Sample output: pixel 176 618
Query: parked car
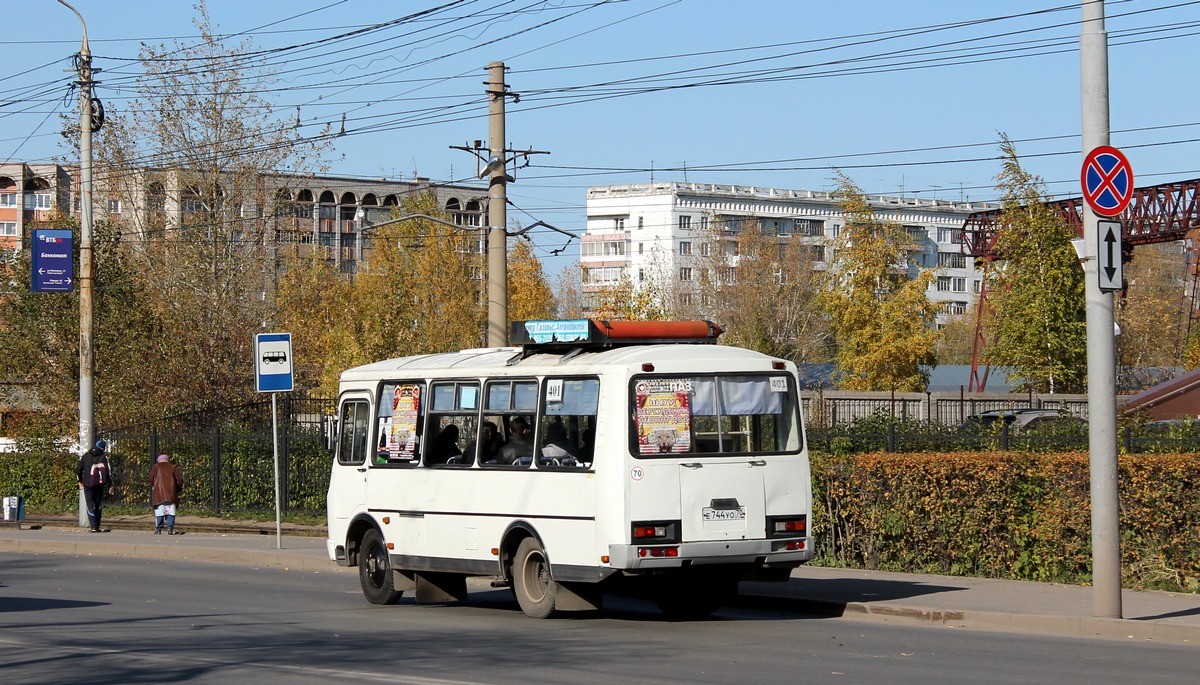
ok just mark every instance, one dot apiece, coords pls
pixel 1024 420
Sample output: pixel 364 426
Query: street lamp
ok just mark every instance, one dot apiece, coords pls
pixel 87 427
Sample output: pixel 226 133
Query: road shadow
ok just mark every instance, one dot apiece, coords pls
pixel 15 604
pixel 847 590
pixel 794 600
pixel 1194 611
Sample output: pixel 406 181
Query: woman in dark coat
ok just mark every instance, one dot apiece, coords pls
pixel 166 482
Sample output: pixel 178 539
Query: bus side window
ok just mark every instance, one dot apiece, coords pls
pixel 352 443
pixel 567 424
pixel 505 401
pixel 453 418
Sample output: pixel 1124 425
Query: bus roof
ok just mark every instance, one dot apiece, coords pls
pixel 489 360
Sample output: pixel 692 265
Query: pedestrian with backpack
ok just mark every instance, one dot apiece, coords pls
pixel 94 473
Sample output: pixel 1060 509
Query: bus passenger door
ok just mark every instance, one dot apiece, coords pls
pixel 348 482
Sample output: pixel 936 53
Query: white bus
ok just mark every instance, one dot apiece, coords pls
pixel 651 462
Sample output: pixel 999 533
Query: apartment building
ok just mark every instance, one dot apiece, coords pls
pixel 29 193
pixel 638 230
pixel 332 214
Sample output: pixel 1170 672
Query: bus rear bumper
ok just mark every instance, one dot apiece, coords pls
pixel 758 553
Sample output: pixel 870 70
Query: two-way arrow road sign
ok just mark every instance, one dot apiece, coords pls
pixel 1109 251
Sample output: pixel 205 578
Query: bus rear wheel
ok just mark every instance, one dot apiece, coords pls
pixel 532 584
pixel 375 571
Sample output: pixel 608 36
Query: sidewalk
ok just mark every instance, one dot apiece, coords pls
pixel 974 603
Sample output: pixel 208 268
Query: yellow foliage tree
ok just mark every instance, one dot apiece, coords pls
pixel 880 316
pixel 764 289
pixel 315 305
pixel 1153 314
pixel 419 290
pixel 529 294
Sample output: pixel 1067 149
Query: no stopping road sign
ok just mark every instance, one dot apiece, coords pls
pixel 1107 181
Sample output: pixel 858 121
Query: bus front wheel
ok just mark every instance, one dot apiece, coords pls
pixel 375 571
pixel 532 584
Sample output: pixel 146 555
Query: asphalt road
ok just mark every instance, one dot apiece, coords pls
pixel 113 620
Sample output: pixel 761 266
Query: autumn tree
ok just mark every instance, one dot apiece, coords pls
pixel 1153 312
pixel 568 292
pixel 649 295
pixel 956 344
pixel 39 338
pixel 314 302
pixel 1036 288
pixel 529 294
pixel 881 319
pixel 186 159
pixel 419 288
pixel 764 289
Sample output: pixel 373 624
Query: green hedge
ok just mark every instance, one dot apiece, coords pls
pixel 243 480
pixel 992 514
pixel 42 473
pixel 1005 515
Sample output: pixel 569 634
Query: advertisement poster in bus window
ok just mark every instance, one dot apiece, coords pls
pixel 406 405
pixel 663 415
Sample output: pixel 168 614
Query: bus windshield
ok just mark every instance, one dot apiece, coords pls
pixel 713 414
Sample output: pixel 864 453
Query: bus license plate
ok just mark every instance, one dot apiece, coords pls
pixel 711 514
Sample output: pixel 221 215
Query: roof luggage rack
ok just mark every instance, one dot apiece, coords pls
pixel 576 335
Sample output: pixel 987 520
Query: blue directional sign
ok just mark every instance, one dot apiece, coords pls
pixel 273 362
pixel 52 269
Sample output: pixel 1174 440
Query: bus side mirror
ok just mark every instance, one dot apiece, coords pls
pixel 329 431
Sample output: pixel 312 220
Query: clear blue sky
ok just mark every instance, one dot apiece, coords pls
pixel 900 95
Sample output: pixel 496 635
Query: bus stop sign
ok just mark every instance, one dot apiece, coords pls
pixel 273 362
pixel 1107 180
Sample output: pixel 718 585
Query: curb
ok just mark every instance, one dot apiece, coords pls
pixel 235 527
pixel 273 557
pixel 1036 624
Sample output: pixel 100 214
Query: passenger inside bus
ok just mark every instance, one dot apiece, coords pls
pixel 488 442
pixel 558 450
pixel 519 444
pixel 446 447
pixel 587 447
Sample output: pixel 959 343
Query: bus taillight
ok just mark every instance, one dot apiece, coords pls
pixel 787 526
pixel 658 551
pixel 656 531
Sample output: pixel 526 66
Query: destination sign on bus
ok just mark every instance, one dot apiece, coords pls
pixel 570 330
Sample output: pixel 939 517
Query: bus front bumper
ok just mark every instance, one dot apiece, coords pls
pixel 764 553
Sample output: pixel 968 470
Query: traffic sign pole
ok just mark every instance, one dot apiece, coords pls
pixel 1101 375
pixel 273 374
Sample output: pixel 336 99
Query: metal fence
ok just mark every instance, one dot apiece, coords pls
pixel 824 409
pixel 227 457
pixel 900 437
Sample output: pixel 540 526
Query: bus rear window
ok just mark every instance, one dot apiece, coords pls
pixel 714 414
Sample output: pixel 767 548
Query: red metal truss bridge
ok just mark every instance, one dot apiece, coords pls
pixel 1157 214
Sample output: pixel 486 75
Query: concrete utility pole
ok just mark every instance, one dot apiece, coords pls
pixel 496 171
pixel 1102 399
pixel 497 238
pixel 87 363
